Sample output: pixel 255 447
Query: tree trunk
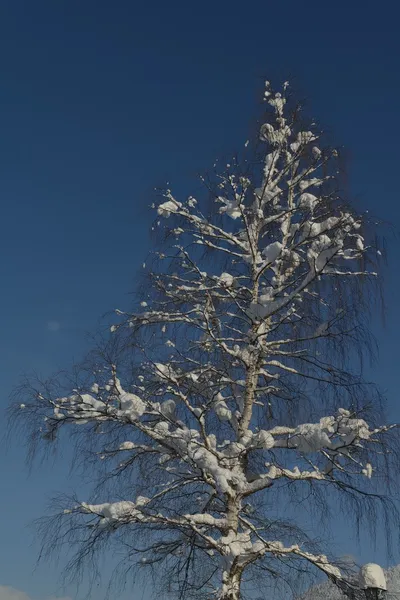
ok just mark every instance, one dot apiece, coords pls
pixel 232 575
pixel 231 585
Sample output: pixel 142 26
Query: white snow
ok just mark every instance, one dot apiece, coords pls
pixel 205 519
pixel 272 252
pixel 204 459
pixel 367 471
pixel 332 570
pixel 360 243
pixel 131 405
pixel 276 137
pixel 310 437
pixel 168 408
pixel 263 439
pixel 372 576
pixel 269 166
pixel 142 500
pixel 222 411
pixel 278 102
pixel 316 228
pixel 321 251
pixel 112 511
pixel 304 184
pixel 230 208
pixel 246 438
pixel 165 372
pixel 316 152
pixel 305 137
pixel 166 208
pixel 227 279
pixel 308 201
pixel 127 446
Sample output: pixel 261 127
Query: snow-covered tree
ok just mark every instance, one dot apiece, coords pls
pixel 328 591
pixel 228 408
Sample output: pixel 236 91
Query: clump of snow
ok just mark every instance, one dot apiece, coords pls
pixel 208 462
pixel 98 405
pixel 161 428
pixel 267 304
pixel 321 251
pixel 166 208
pixel 247 437
pixel 278 102
pixel 111 511
pixel 304 184
pixel 351 428
pixel 127 446
pixel 266 193
pixel 275 137
pixel 142 500
pixel 269 169
pixel 165 372
pixel 303 138
pixel 316 152
pixel 222 411
pixel 258 547
pixel 204 519
pixel 231 207
pixel 168 408
pixel 227 279
pixel 315 228
pixel 367 471
pixel 372 576
pixel 308 201
pixel 272 252
pixel 263 439
pixel 233 449
pixel 310 437
pixel 132 406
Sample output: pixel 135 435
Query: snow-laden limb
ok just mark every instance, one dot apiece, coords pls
pixel 230 376
pixel 118 514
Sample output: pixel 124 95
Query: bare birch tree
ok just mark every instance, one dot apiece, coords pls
pixel 232 395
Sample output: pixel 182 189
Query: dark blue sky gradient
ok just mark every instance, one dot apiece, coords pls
pixel 103 101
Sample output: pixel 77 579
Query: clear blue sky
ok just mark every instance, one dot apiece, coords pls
pixel 102 101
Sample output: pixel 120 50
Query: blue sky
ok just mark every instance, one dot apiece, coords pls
pixel 102 101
